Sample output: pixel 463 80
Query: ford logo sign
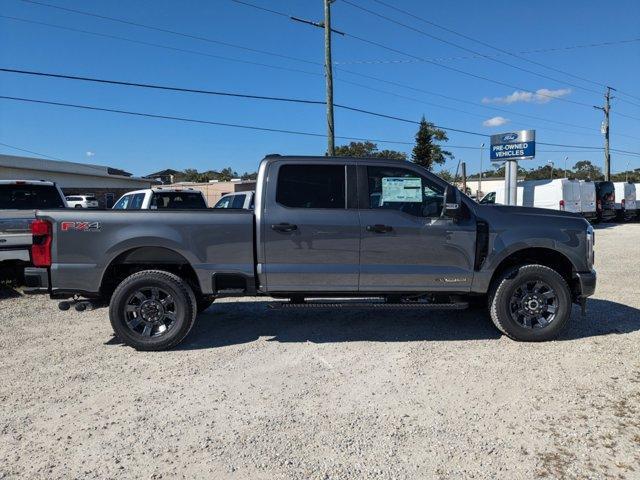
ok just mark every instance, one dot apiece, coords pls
pixel 509 137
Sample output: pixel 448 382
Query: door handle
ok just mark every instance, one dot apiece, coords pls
pixel 284 227
pixel 379 228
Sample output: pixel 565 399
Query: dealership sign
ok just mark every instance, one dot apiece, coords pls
pixel 518 145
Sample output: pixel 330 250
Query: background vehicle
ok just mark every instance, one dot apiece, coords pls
pixel 625 200
pixel 158 198
pixel 559 194
pixel 498 196
pixel 236 200
pixel 605 201
pixel 18 201
pixel 82 201
pixel 383 230
pixel 588 200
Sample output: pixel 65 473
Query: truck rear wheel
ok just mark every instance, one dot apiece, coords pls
pixel 152 310
pixel 530 303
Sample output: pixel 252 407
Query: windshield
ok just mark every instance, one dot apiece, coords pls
pixel 178 200
pixel 27 197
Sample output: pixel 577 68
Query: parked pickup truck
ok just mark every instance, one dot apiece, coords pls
pixel 19 200
pixel 387 232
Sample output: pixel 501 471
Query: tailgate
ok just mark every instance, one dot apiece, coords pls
pixel 15 228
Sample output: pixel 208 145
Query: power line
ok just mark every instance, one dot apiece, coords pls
pixel 230 94
pixel 30 151
pixel 469 57
pixel 277 67
pixel 265 52
pixel 157 45
pixel 472 114
pixel 448 97
pixel 447 42
pixel 481 42
pixel 251 127
pixel 172 32
pixel 162 87
pixel 192 120
pixel 267 65
pixel 447 67
pixel 227 94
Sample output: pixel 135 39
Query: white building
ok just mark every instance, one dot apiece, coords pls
pixel 106 183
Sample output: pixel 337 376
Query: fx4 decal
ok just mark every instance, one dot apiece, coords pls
pixel 80 226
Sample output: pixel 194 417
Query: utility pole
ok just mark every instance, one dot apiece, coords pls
pixel 464 177
pixel 480 176
pixel 605 132
pixel 328 69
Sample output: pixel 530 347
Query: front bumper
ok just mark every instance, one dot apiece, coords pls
pixel 586 282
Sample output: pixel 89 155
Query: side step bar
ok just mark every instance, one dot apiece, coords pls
pixel 315 305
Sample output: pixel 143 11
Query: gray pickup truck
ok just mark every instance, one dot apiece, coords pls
pixel 386 233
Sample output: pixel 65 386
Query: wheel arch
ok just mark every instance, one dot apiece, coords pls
pixel 540 256
pixel 142 258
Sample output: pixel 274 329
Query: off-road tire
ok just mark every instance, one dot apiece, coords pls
pixel 500 297
pixel 185 309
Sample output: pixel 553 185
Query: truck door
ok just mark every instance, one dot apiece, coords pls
pixel 406 244
pixel 311 236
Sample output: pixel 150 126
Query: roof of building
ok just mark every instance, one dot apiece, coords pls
pixel 30 163
pixel 162 173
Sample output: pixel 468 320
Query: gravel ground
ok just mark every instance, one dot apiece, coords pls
pixel 261 394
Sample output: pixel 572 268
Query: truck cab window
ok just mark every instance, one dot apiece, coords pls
pixel 311 186
pixel 123 203
pixel 404 190
pixel 489 199
pixel 225 202
pixel 238 202
pixel 136 201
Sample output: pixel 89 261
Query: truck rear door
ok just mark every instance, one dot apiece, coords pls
pixel 311 235
pixel 406 244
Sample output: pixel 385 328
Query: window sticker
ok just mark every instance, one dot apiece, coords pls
pixel 401 189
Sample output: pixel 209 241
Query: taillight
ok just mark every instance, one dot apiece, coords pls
pixel 41 248
pixel 561 204
pixel 622 203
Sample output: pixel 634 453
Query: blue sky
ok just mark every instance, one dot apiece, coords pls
pixel 143 145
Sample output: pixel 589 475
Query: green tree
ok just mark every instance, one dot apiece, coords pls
pixel 249 176
pixel 585 169
pixel 426 152
pixel 227 174
pixel 190 175
pixel 446 175
pixel 367 149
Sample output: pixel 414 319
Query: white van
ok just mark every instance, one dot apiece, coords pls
pixel 559 194
pixel 626 207
pixel 588 199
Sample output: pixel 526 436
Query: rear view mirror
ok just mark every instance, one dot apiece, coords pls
pixel 451 208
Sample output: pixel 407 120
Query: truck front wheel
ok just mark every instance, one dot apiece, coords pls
pixel 530 303
pixel 152 310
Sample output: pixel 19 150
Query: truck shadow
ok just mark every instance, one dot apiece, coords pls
pixel 236 323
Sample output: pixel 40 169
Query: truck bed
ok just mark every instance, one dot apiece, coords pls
pixel 86 242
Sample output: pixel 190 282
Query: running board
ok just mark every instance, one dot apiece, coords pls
pixel 315 305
